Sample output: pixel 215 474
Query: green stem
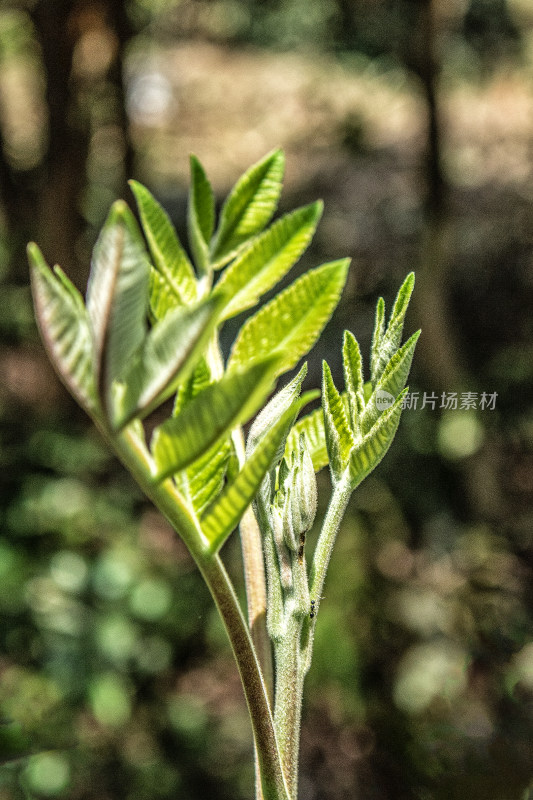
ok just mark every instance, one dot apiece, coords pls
pixel 130 448
pixel 288 705
pixel 337 506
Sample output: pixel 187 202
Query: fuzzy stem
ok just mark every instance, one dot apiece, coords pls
pixel 288 705
pixel 337 506
pixel 132 451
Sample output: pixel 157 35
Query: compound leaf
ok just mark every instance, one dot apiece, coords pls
pixel 268 258
pixel 290 324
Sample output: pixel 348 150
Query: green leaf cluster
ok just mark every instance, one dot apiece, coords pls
pixel 355 428
pixel 149 330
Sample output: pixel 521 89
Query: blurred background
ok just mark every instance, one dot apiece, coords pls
pixel 413 120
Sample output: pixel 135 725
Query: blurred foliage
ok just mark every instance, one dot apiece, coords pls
pixel 115 678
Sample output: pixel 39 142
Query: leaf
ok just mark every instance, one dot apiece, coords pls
pixel 205 477
pixel 392 380
pixel 117 296
pixel 339 439
pixel 197 382
pixel 170 352
pixel 226 512
pixel 290 324
pixel 391 339
pixel 353 377
pixel 64 327
pixel 201 214
pixel 275 407
pixel 367 455
pixel 249 207
pixel 268 258
pixel 217 409
pixel 169 257
pixel 313 427
pixel 379 330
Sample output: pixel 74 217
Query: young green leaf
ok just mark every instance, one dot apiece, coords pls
pixel 392 380
pixel 353 378
pixel 117 296
pixel 369 452
pixel 169 257
pixel 64 327
pixel 290 324
pixel 313 427
pixel 169 353
pixel 390 341
pixel 379 330
pixel 196 383
pixel 268 258
pixel 215 411
pixel 275 407
pixel 249 207
pixel 201 214
pixel 226 512
pixel 205 477
pixel 339 439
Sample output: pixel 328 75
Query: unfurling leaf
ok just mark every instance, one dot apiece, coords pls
pixel 117 297
pixel 313 427
pixel 64 327
pixel 353 378
pixel 227 510
pixel 339 438
pixel 386 343
pixel 392 380
pixel 169 353
pixel 369 452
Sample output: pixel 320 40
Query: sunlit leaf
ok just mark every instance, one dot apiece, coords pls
pixel 339 439
pixel 391 339
pixel 392 380
pixel 64 327
pixel 117 296
pixel 169 353
pixel 217 409
pixel 205 477
pixel 377 336
pixel 169 257
pixel 276 406
pixel 196 383
pixel 226 512
pixel 268 258
pixel 249 207
pixel 201 214
pixel 290 324
pixel 369 452
pixel 313 427
pixel 353 378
